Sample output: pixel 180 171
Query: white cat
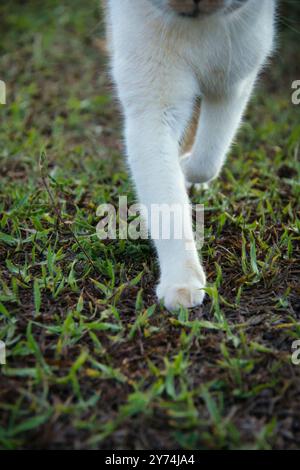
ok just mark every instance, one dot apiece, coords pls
pixel 165 54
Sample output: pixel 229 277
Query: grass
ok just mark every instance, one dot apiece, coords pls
pixel 92 360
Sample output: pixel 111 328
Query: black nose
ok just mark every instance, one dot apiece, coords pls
pixel 194 13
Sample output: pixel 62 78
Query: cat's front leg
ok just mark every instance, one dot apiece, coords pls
pixel 219 121
pixel 152 146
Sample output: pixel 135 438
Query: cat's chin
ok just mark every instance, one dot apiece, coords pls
pixel 208 14
pixel 190 9
pixel 192 14
pixel 200 10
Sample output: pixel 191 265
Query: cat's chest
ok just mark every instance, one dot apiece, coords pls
pixel 221 59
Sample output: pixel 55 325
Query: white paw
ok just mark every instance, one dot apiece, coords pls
pixel 197 173
pixel 196 186
pixel 186 165
pixel 180 295
pixel 188 292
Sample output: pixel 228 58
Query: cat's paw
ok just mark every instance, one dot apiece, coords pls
pixel 197 187
pixel 175 296
pixel 197 173
pixel 186 163
pixel 188 291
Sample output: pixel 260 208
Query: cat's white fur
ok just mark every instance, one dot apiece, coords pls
pixel 160 62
